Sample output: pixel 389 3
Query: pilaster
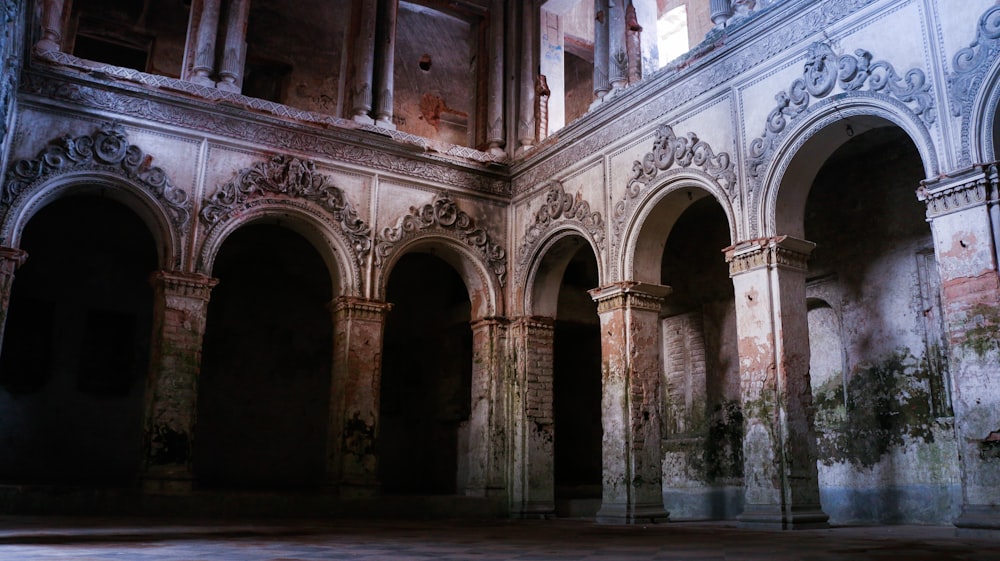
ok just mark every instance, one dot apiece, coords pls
pixel 352 461
pixel 487 418
pixel 963 211
pixel 10 259
pixel 779 445
pixel 179 313
pixel 630 408
pixel 533 481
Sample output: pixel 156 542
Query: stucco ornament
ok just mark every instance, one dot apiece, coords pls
pixel 443 215
pixel 560 206
pixel 970 66
pixel 106 149
pixel 291 177
pixel 822 73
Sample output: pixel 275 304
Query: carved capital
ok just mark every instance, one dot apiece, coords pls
pixel 630 295
pixel 778 252
pixel 489 323
pixel 186 285
pixel 532 323
pixel 11 258
pixel 966 189
pixel 349 307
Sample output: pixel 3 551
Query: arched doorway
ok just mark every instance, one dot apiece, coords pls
pixel 881 398
pixel 576 383
pixel 702 416
pixel 426 379
pixel 264 391
pixel 76 348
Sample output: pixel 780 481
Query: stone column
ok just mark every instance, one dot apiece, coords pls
pixel 533 483
pixel 180 308
pixel 630 407
pixel 721 11
pixel 364 63
pixel 385 55
pixel 234 52
pixel 487 421
pixel 496 135
pixel 779 444
pixel 526 105
pixel 352 462
pixel 204 41
pixel 52 20
pixel 965 222
pixel 601 57
pixel 10 259
pixel 617 47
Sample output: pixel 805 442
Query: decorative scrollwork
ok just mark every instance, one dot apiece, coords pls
pixel 823 71
pixel 443 214
pixel 107 149
pixel 561 206
pixel 971 62
pixel 291 177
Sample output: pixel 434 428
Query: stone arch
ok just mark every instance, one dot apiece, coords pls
pixel 547 264
pixel 646 233
pixel 102 163
pixel 483 287
pixel 303 218
pixel 777 209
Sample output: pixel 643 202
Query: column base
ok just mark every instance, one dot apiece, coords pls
pixel 979 521
pixel 634 514
pixel 773 517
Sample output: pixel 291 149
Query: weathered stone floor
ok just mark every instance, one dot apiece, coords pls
pixel 23 538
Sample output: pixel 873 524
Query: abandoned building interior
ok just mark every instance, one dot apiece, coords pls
pixel 630 261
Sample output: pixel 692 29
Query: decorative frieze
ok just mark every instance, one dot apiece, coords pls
pixel 972 188
pixel 823 71
pixel 443 215
pixel 561 207
pixel 291 177
pixel 106 149
pixel 780 251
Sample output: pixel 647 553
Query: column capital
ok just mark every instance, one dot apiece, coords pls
pixel 489 321
pixel 630 294
pixel 359 308
pixel 537 322
pixel 13 255
pixel 191 285
pixel 959 190
pixel 778 252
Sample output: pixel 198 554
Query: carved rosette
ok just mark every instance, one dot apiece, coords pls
pixel 970 66
pixel 823 71
pixel 107 149
pixel 293 177
pixel 969 190
pixel 443 215
pixel 559 207
pixel 670 150
pixel 781 251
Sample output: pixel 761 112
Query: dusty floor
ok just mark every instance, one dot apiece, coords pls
pixel 24 538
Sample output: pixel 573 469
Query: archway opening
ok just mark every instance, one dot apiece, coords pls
pixel 577 385
pixel 426 379
pixel 702 416
pixel 264 390
pixel 880 399
pixel 76 346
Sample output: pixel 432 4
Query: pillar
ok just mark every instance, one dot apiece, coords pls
pixel 526 105
pixel 364 62
pixel 617 47
pixel 533 483
pixel 235 48
pixel 721 11
pixel 633 45
pixel 385 54
pixel 965 222
pixel 205 35
pixel 496 135
pixel 52 19
pixel 601 58
pixel 352 462
pixel 10 259
pixel 781 481
pixel 632 489
pixel 180 308
pixel 487 419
